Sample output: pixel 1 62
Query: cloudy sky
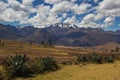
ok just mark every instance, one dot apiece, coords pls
pixel 84 13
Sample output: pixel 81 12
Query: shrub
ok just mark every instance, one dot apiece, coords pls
pixel 99 59
pixel 92 57
pixel 81 58
pixel 109 59
pixel 16 65
pixel 95 58
pixel 49 63
pixel 37 66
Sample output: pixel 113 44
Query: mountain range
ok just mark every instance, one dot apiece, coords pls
pixel 60 34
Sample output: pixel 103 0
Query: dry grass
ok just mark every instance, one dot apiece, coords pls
pixel 62 53
pixel 36 50
pixel 80 72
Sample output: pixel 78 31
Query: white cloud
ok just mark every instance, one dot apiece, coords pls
pixel 108 20
pixel 99 16
pixel 96 1
pixel 72 0
pixel 52 1
pixel 65 15
pixel 61 7
pixel 118 24
pixel 11 15
pixel 89 17
pixel 102 15
pixel 80 9
pixel 109 7
pixel 27 2
pixel 43 17
pixel 88 24
pixel 3 6
pixel 71 20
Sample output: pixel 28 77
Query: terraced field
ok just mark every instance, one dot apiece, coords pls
pixel 61 53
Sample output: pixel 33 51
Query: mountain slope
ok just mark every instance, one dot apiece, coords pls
pixel 60 34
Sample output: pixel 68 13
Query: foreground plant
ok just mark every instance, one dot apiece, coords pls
pixel 95 58
pixel 50 63
pixel 109 59
pixel 16 65
pixel 42 64
pixel 37 66
pixel 82 58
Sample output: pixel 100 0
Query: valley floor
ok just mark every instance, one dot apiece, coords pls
pixel 83 72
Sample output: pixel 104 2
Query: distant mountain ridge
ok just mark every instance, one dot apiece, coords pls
pixel 60 34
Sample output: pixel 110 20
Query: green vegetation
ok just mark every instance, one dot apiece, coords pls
pixel 42 64
pixel 50 63
pixel 16 66
pixel 36 66
pixel 82 58
pixel 95 58
pixel 109 59
pixel 20 66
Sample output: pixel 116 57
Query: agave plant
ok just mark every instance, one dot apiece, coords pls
pixel 16 65
pixel 109 59
pixel 92 57
pixel 95 58
pixel 50 63
pixel 82 58
pixel 37 65
pixel 99 59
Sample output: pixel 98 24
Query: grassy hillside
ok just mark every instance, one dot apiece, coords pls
pixel 81 72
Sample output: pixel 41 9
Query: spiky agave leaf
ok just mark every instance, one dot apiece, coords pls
pixel 16 64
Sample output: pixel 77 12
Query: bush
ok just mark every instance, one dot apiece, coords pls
pixel 95 58
pixel 109 59
pixel 81 58
pixel 37 66
pixel 16 65
pixel 50 63
pixel 99 59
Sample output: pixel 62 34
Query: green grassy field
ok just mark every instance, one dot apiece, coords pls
pixel 81 72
